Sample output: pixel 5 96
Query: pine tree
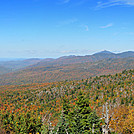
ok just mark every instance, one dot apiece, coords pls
pixel 84 120
pixel 63 122
pixel 80 120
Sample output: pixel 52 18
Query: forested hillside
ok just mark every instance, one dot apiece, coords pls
pixel 101 103
pixel 4 70
pixel 58 72
pixel 20 64
pixel 83 59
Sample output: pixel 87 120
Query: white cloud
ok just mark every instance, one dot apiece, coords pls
pixel 107 26
pixel 110 3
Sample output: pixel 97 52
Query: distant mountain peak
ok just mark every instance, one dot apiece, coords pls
pixel 65 57
pixel 104 52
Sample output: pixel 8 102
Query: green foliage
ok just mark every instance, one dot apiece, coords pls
pixel 22 105
pixel 80 120
pixel 22 123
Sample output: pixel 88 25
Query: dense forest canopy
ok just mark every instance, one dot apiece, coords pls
pixel 41 108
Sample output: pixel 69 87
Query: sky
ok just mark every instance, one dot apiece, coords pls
pixel 54 28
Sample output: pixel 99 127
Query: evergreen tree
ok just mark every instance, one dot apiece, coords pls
pixel 80 120
pixel 84 120
pixel 63 122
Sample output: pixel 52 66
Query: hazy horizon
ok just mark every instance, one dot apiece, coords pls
pixel 22 58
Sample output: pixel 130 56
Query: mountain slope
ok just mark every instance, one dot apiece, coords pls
pixel 4 70
pixel 52 73
pixel 82 59
pixel 66 67
pixel 18 64
pixel 35 62
pixel 126 54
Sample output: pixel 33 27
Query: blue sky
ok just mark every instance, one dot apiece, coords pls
pixel 53 28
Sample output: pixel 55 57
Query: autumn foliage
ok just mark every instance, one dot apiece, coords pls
pixel 37 108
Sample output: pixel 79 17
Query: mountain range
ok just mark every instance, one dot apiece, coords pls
pixel 64 68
